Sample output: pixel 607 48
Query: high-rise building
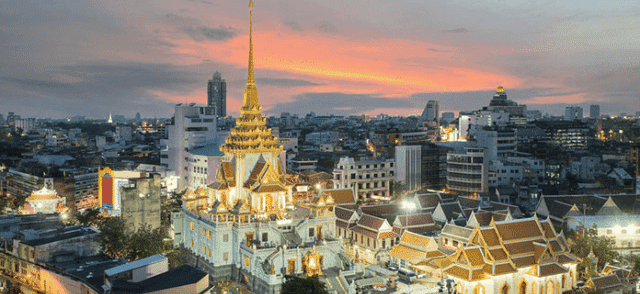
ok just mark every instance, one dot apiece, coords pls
pixel 217 94
pixel 408 167
pixel 193 127
pixel 594 111
pixel 430 112
pixel 467 170
pixel 573 113
pixel 500 103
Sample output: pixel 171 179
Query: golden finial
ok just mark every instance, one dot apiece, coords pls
pixel 251 92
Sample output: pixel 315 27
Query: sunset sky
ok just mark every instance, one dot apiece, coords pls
pixel 61 58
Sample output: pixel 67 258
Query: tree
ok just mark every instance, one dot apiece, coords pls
pixel 114 237
pixel 144 243
pixel 178 257
pixel 305 285
pixel 602 247
pixel 88 217
pixel 636 265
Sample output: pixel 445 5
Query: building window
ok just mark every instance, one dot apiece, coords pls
pixel 225 238
pixel 609 232
pixel 192 244
pixel 265 237
pixel 225 256
pixel 209 234
pixel 311 232
pixel 191 224
pixel 383 241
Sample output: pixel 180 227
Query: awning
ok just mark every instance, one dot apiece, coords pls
pixel 375 281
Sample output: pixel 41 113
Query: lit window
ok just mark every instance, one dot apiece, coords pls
pixel 191 226
pixel 192 243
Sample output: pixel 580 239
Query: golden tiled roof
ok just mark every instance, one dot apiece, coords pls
pixel 555 246
pixel 458 272
pixel 386 235
pixel 518 230
pixel 341 196
pixel 414 239
pixel 551 269
pixel 498 253
pixel 503 268
pixel 477 274
pixel 605 283
pixel 564 259
pixel 269 189
pixel 474 255
pixel 490 237
pixel 524 261
pixel 548 230
pixel 407 253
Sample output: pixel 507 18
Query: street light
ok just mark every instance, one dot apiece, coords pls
pixel 408 206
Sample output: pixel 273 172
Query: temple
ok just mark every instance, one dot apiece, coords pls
pixel 45 200
pixel 245 225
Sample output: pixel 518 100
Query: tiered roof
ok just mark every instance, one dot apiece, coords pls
pixel 250 134
pixel 505 246
pixel 415 248
pixel 373 227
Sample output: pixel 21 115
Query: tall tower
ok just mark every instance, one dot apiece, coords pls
pixel 431 111
pixel 217 94
pixel 251 175
pixel 594 111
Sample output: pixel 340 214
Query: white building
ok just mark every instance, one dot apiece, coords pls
pixel 467 170
pixel 573 113
pixel 193 126
pixel 369 178
pixel 408 166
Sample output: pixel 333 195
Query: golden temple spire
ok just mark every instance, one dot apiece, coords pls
pixel 251 92
pixel 250 134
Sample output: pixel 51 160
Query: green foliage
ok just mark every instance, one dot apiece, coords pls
pixel 88 217
pixel 303 285
pixel 144 243
pixel 114 236
pixel 636 265
pixel 602 247
pixel 178 257
pixel 118 242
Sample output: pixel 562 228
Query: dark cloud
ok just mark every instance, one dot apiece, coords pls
pixel 198 32
pixel 212 34
pixel 455 31
pixel 326 27
pixel 293 26
pixel 203 2
pixel 285 83
pixel 93 89
pixel 35 83
pixel 341 103
pixel 348 104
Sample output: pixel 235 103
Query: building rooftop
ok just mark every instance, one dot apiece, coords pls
pixel 181 276
pixel 134 265
pixel 64 234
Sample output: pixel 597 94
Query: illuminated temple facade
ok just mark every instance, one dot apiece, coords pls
pixel 244 226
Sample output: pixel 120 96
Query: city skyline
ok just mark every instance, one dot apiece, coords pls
pixel 68 59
